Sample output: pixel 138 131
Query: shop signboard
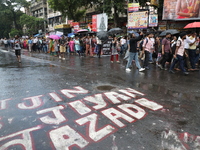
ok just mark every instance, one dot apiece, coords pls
pixel 133 7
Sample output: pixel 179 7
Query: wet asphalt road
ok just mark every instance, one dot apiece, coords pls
pixel 37 112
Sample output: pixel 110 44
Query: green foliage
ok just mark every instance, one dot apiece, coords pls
pixel 73 9
pixel 14 32
pixel 32 23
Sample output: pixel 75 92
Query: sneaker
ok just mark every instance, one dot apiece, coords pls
pixel 63 58
pixel 59 57
pixel 118 61
pixel 160 66
pixel 111 61
pixel 171 71
pixel 141 69
pixel 128 70
pixel 186 73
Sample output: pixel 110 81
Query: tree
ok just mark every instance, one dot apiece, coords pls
pixel 32 23
pixel 70 8
pixel 10 14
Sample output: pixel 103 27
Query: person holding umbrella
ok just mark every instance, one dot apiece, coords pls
pixel 133 53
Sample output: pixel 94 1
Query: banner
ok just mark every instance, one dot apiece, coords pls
pixel 99 22
pixel 153 20
pixel 181 10
pixel 138 20
pixel 76 26
pixel 133 7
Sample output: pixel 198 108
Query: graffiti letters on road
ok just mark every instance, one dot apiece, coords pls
pixel 88 111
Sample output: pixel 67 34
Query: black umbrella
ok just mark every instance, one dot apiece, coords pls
pixel 102 35
pixel 92 33
pixel 172 31
pixel 115 31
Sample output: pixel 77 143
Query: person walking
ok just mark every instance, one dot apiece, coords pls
pixel 133 52
pixel 63 43
pixel 114 52
pixel 192 51
pixel 166 51
pixel 17 48
pixel 30 44
pixel 77 45
pixel 147 47
pixel 179 53
pixel 188 41
pixel 99 47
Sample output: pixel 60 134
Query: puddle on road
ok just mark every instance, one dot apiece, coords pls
pixel 166 91
pixel 105 87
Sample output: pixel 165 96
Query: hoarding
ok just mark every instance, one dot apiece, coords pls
pixel 138 20
pixel 153 20
pixel 181 10
pixel 133 7
pixel 100 22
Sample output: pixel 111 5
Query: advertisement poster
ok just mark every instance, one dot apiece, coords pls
pixel 133 7
pixel 76 26
pixel 138 20
pixel 99 22
pixel 181 10
pixel 153 20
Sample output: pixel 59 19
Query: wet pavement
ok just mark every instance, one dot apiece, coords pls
pixel 91 104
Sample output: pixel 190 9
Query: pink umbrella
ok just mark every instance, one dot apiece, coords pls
pixel 55 37
pixel 82 31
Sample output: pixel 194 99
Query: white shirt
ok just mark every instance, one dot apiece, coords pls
pixel 5 41
pixel 122 41
pixel 35 40
pixel 180 43
pixel 98 41
pixel 188 41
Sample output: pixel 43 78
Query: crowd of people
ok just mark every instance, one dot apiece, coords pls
pixel 178 52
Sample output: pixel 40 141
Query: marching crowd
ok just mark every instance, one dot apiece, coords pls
pixel 169 53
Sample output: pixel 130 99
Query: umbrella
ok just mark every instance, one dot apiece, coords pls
pixel 192 25
pixel 102 35
pixel 82 31
pixel 36 35
pixel 115 31
pixel 55 37
pixel 172 31
pixel 70 34
pixel 133 32
pixel 92 32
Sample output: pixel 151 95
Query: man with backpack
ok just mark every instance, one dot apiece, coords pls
pixel 147 48
pixel 179 54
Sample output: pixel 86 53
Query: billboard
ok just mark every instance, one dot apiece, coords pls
pixel 133 7
pixel 100 22
pixel 138 20
pixel 181 10
pixel 153 20
pixel 154 2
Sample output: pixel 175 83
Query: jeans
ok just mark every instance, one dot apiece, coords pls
pixel 150 57
pixel 99 47
pixel 181 62
pixel 44 48
pixel 133 56
pixel 192 56
pixel 146 60
pixel 122 49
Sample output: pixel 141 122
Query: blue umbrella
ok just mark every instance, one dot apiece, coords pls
pixel 133 32
pixel 36 35
pixel 70 34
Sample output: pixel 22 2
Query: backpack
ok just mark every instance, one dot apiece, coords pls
pixel 141 43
